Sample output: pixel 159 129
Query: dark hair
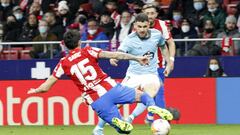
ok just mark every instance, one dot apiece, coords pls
pixel 71 39
pixel 217 73
pixel 141 18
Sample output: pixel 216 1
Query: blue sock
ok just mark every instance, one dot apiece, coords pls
pixel 101 123
pixel 147 100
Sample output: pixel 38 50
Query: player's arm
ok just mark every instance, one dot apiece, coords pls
pixel 44 87
pixel 143 60
pixel 172 52
pixel 166 55
pixel 115 61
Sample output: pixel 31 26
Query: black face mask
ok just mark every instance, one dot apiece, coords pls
pixel 138 10
pixel 209 30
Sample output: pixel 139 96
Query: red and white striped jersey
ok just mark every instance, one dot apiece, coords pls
pixel 162 27
pixel 81 65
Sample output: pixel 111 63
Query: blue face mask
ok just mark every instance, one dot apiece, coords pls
pixel 198 5
pixel 177 17
pixel 42 29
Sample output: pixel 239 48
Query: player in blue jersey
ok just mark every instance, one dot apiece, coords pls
pixel 143 41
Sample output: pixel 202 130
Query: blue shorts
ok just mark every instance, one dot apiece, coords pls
pixel 106 106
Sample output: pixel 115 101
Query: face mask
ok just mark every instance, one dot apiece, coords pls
pixel 18 16
pixel 198 5
pixel 92 32
pixel 214 67
pixel 138 10
pixel 185 28
pixel 209 30
pixel 177 17
pixel 5 4
pixel 212 10
pixel 42 29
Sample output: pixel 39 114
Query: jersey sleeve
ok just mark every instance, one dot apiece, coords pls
pixel 165 30
pixel 93 51
pixel 58 70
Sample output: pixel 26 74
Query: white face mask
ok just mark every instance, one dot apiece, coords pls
pixel 18 16
pixel 213 67
pixel 92 32
pixel 5 4
pixel 185 28
pixel 212 10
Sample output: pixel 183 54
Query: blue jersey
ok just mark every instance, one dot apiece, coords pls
pixel 132 44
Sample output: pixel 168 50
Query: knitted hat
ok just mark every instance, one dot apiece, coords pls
pixel 62 5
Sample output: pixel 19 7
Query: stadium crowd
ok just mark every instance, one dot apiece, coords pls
pixel 47 20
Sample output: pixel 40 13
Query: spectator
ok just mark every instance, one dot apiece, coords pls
pixel 196 15
pixel 18 13
pixel 111 8
pixel 35 8
pixel 214 68
pixel 12 29
pixel 44 50
pixel 228 46
pixel 107 24
pixel 30 29
pixel 206 48
pixel 54 27
pixel 63 15
pixel 123 29
pixel 187 31
pixel 94 33
pixel 5 9
pixel 216 14
pixel 177 18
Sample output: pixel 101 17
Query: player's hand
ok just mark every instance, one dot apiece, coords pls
pixel 113 62
pixel 144 60
pixel 167 71
pixel 32 91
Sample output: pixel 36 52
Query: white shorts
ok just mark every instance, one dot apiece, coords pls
pixel 150 83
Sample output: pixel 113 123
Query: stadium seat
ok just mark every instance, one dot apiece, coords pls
pixel 24 54
pixel 9 55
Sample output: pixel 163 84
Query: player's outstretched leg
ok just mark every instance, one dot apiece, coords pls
pixel 98 130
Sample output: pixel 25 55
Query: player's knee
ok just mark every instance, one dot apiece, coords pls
pixel 152 88
pixel 138 95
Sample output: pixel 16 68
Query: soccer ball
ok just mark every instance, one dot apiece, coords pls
pixel 160 127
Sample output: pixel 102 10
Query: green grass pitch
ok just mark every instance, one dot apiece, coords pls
pixel 138 130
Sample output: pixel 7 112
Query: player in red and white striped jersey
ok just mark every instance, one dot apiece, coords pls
pixel 81 65
pixel 90 79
